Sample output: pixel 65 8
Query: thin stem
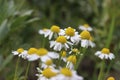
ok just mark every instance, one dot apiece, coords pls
pixel 80 57
pixel 100 76
pixel 26 74
pixel 15 75
pixel 59 60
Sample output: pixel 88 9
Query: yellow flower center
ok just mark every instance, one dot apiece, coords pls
pixel 75 50
pixel 105 51
pixel 48 73
pixel 63 54
pixel 20 50
pixel 42 51
pixel 55 29
pixel 86 25
pixel 45 29
pixel 72 59
pixel 48 62
pixel 70 31
pixel 85 35
pixel 61 39
pixel 66 72
pixel 110 78
pixel 32 51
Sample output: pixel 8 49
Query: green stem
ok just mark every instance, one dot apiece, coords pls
pixel 80 57
pixel 59 60
pixel 101 73
pixel 26 74
pixel 15 75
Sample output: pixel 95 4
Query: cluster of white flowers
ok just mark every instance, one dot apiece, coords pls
pixel 63 42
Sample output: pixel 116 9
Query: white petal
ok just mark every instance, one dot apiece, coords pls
pixel 32 57
pixel 53 55
pixel 84 43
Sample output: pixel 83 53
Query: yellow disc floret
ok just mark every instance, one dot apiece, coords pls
pixel 45 29
pixel 86 25
pixel 70 31
pixel 48 73
pixel 42 52
pixel 61 39
pixel 48 62
pixel 63 53
pixel 32 51
pixel 20 50
pixel 75 50
pixel 105 51
pixel 72 59
pixel 55 29
pixel 66 72
pixel 110 78
pixel 85 35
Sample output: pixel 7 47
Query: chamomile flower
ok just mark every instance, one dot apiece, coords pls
pixel 71 61
pixel 47 74
pixel 105 54
pixel 111 78
pixel 85 27
pixel 32 54
pixel 63 56
pixel 86 39
pixel 74 50
pixel 20 52
pixel 48 63
pixel 54 31
pixel 67 74
pixel 60 43
pixel 72 34
pixel 42 53
pixel 45 54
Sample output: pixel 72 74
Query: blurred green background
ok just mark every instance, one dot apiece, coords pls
pixel 20 21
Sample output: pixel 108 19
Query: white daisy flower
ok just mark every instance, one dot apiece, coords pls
pixel 60 43
pixel 32 56
pixel 86 39
pixel 54 31
pixel 85 27
pixel 74 51
pixel 71 61
pixel 71 34
pixel 67 74
pixel 20 52
pixel 105 54
pixel 42 54
pixel 48 63
pixel 47 74
pixel 63 56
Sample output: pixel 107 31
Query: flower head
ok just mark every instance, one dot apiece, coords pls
pixel 105 54
pixel 86 39
pixel 48 73
pixel 20 52
pixel 54 31
pixel 60 43
pixel 111 78
pixel 72 34
pixel 85 27
pixel 67 74
pixel 41 53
